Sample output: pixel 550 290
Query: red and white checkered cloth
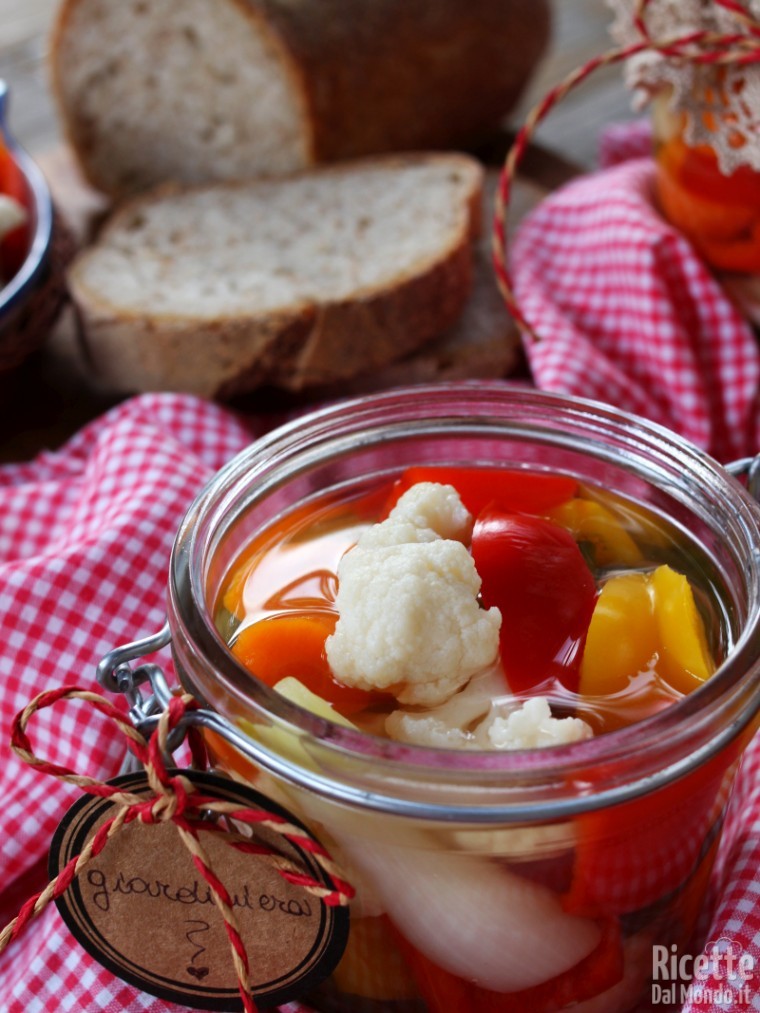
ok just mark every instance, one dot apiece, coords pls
pixel 628 314
pixel 85 535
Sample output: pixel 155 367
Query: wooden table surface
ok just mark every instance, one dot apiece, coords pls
pixel 52 394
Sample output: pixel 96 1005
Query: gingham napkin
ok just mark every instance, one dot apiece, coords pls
pixel 85 535
pixel 627 313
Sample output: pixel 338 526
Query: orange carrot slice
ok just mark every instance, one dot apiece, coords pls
pixel 293 644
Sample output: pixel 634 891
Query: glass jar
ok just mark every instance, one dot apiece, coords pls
pixel 488 881
pixel 718 212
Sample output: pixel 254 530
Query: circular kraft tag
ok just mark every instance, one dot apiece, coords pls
pixel 143 910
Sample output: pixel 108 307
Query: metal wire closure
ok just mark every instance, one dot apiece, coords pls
pixel 749 468
pixel 116 674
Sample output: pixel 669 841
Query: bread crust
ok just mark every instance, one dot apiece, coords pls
pixel 390 75
pixel 397 75
pixel 312 345
pixel 483 343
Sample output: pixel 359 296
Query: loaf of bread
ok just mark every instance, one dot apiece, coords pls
pixel 300 281
pixel 200 90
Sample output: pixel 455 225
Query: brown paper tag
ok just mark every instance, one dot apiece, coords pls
pixel 143 910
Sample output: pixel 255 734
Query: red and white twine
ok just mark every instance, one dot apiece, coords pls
pixel 175 800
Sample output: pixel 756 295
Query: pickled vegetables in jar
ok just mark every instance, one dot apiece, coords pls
pixel 718 211
pixel 15 230
pixel 552 589
pixel 694 63
pixel 484 609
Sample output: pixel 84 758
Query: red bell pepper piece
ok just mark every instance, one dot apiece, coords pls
pixel 596 973
pixel 698 215
pixel 737 255
pixel 534 572
pixel 15 245
pixel 632 855
pixel 519 491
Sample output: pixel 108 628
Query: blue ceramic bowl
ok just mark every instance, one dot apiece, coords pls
pixel 32 298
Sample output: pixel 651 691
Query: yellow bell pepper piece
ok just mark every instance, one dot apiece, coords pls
pixel 622 638
pixel 643 621
pixel 297 693
pixel 278 740
pixel 685 660
pixel 588 521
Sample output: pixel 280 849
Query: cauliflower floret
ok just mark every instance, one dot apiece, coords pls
pixel 475 718
pixel 426 730
pixel 427 511
pixel 532 727
pixel 409 620
pixel 452 724
pixel 435 506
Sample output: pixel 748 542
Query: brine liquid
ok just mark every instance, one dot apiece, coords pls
pixel 291 568
pixel 639 869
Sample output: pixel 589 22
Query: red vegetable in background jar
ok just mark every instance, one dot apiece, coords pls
pixel 14 245
pixel 719 212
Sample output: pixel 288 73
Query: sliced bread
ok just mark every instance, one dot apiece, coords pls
pixel 198 90
pixel 296 282
pixel 485 341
